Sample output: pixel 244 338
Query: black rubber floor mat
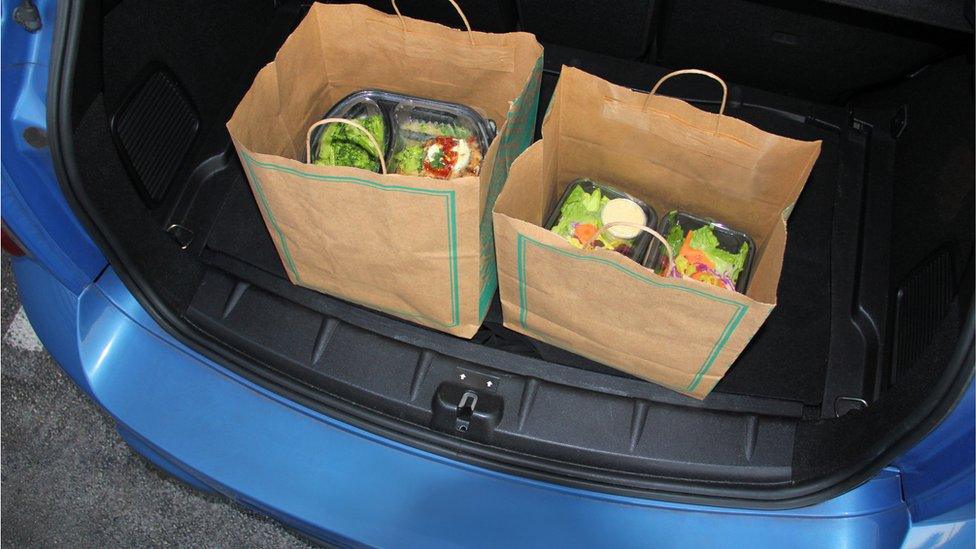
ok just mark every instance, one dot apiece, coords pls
pixel 788 357
pixel 239 231
pixel 153 130
pixel 922 302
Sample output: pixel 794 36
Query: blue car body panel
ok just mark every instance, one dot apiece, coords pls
pixel 223 433
pixel 220 432
pixel 938 478
pixel 32 203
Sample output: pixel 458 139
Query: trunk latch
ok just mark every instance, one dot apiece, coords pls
pixel 466 412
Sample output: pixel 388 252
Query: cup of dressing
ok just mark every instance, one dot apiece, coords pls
pixel 623 209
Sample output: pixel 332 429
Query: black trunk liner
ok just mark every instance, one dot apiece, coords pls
pixel 786 359
pixel 547 409
pixel 239 231
pixel 810 351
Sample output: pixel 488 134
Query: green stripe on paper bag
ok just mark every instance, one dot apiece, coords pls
pixel 451 211
pixel 737 314
pixel 519 131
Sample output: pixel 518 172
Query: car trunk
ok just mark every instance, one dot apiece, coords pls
pixel 875 288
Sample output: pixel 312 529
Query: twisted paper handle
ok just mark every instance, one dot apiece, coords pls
pixel 457 8
pixel 353 123
pixel 725 89
pixel 667 247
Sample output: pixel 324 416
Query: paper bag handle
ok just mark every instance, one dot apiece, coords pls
pixel 353 123
pixel 725 89
pixel 646 229
pixel 457 8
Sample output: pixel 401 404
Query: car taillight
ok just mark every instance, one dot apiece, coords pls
pixel 10 243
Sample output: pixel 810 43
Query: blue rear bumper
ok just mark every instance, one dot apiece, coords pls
pixel 220 432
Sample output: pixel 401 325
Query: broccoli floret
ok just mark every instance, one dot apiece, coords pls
pixel 375 126
pixel 409 161
pixel 348 154
pixel 343 145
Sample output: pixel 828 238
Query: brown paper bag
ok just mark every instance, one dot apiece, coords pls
pixel 681 334
pixel 414 247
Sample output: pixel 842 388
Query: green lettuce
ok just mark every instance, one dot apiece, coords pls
pixel 344 145
pixel 435 129
pixel 580 207
pixel 728 263
pixel 676 238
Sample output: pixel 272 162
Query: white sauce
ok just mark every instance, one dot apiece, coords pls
pixel 622 209
pixel 462 149
pixel 433 152
pixel 463 156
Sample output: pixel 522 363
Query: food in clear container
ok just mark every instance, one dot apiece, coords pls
pixel 705 251
pixel 343 145
pixel 339 144
pixel 441 157
pixel 587 207
pixel 438 140
pixel 418 136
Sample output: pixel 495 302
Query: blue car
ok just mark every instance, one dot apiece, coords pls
pixel 146 270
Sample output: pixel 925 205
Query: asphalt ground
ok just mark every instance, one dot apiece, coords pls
pixel 69 480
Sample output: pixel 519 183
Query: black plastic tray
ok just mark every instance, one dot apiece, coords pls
pixel 728 239
pixel 641 241
pixel 387 102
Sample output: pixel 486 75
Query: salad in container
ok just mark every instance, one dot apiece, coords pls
pixel 586 207
pixel 418 136
pixel 439 140
pixel 705 251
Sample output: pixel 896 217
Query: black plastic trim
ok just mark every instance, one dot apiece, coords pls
pixel 114 123
pixel 943 397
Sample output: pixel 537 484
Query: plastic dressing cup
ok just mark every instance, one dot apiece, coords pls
pixel 623 209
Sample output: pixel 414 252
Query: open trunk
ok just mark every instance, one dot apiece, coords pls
pixel 856 362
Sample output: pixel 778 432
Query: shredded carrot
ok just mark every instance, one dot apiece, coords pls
pixel 693 255
pixel 584 232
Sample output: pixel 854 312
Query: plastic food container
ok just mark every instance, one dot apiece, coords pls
pixel 627 241
pixel 675 227
pixel 365 107
pixel 438 139
pixel 424 136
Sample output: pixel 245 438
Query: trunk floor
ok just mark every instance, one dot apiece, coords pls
pixel 787 359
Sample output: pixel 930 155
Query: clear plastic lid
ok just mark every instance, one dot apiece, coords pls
pixel 424 137
pixel 724 259
pixel 588 216
pixel 438 140
pixel 341 145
